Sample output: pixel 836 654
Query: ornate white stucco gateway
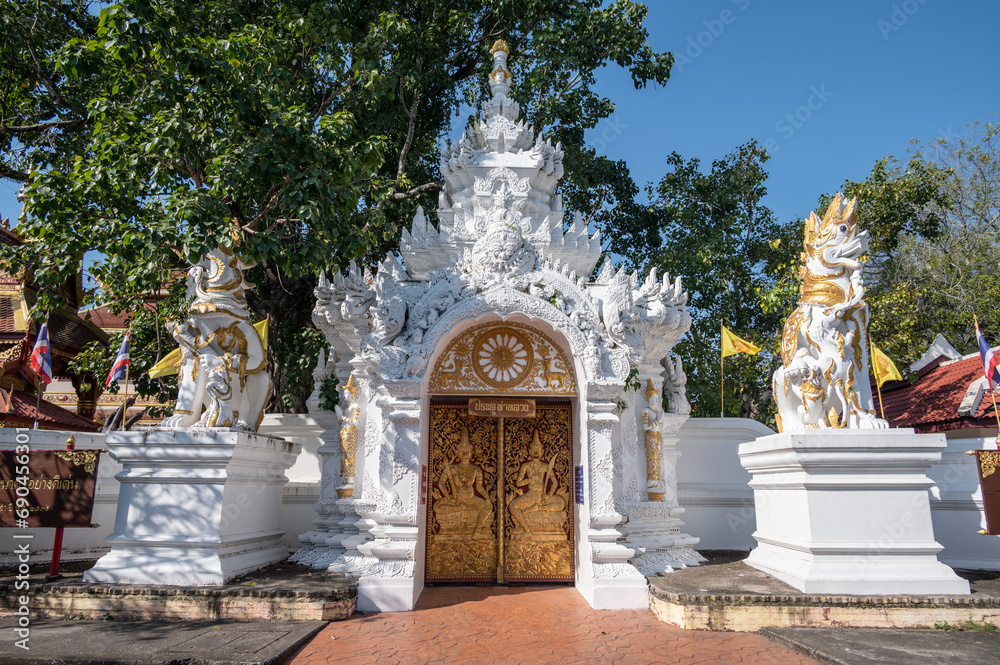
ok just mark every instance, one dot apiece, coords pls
pixel 497 300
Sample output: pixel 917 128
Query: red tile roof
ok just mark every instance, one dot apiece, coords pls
pixel 104 319
pixel 931 404
pixel 20 405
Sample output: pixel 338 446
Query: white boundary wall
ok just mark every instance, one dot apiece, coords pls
pixel 297 513
pixel 957 503
pixel 712 487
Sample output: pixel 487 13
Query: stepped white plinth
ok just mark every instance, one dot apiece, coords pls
pixel 847 511
pixel 196 506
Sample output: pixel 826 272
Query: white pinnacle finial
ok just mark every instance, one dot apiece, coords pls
pixel 500 77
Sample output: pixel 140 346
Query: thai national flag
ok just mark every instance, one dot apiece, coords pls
pixel 41 359
pixel 121 363
pixel 990 360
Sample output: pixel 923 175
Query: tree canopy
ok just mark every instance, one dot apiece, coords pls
pixel 302 132
pixel 714 230
pixel 936 282
pixel 924 271
pixel 305 133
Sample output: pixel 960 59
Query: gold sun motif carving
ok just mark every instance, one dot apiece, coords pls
pixel 502 358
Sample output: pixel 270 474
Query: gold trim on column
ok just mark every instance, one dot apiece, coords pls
pixel 989 460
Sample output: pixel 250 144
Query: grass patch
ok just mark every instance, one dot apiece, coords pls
pixel 969 625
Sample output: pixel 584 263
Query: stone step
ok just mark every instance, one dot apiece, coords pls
pixel 277 593
pixel 732 596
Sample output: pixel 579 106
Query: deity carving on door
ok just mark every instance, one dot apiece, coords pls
pixel 500 506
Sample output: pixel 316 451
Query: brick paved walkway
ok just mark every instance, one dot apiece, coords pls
pixel 536 625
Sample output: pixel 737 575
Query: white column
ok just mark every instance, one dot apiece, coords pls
pixel 392 584
pixel 607 581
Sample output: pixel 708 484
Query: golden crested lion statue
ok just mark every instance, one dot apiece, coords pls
pixel 222 355
pixel 823 380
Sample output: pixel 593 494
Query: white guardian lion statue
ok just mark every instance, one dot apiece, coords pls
pixel 223 382
pixel 823 381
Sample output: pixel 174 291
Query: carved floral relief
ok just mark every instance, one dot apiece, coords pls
pixel 503 358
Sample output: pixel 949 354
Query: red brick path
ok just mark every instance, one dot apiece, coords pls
pixel 536 625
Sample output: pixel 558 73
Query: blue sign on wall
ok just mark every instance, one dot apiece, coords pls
pixel 579 484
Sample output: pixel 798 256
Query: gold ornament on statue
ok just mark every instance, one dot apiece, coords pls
pixel 651 417
pixel 350 418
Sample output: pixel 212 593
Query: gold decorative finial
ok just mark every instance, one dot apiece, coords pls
pixel 650 390
pixel 500 45
pixel 351 387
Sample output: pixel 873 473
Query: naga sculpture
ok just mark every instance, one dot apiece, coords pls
pixel 222 355
pixel 823 380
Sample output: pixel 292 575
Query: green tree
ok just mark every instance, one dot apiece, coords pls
pixel 303 132
pixel 713 230
pixel 953 274
pixel 899 205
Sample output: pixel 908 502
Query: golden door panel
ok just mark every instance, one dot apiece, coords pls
pixel 538 497
pixel 461 531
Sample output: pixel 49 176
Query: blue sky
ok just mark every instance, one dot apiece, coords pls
pixel 862 77
pixel 833 86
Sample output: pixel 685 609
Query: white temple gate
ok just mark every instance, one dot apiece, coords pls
pixel 497 300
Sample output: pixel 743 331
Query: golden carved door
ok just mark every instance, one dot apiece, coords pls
pixel 527 463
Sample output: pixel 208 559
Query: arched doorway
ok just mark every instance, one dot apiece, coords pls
pixel 500 459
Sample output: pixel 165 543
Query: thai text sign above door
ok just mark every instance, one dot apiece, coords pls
pixel 502 407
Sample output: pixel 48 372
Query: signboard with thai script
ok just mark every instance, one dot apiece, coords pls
pixel 988 461
pixel 502 407
pixel 47 488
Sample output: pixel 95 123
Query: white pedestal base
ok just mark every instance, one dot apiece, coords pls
pixel 387 594
pixel 630 593
pixel 196 507
pixel 847 512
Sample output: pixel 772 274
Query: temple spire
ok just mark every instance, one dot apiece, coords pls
pixel 500 80
pixel 500 77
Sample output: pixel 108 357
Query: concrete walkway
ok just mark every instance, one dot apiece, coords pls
pixel 473 626
pixel 873 646
pixel 155 642
pixel 537 625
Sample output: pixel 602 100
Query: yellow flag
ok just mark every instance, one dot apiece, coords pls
pixel 261 329
pixel 168 366
pixel 732 344
pixel 883 368
pixel 171 363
